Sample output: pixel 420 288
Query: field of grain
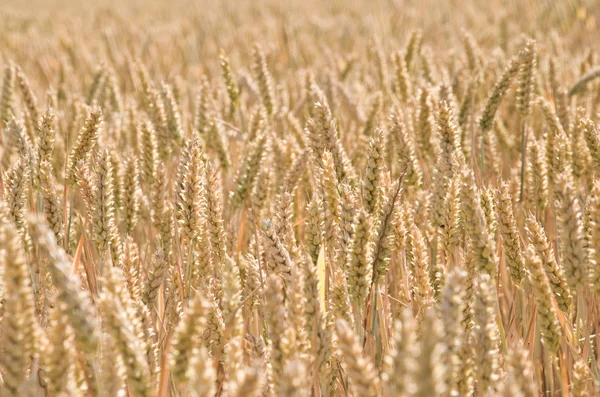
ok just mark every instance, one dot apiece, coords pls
pixel 299 198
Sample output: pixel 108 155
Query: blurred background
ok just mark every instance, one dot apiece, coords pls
pixel 183 38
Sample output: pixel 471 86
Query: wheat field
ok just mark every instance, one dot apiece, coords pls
pixel 299 198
